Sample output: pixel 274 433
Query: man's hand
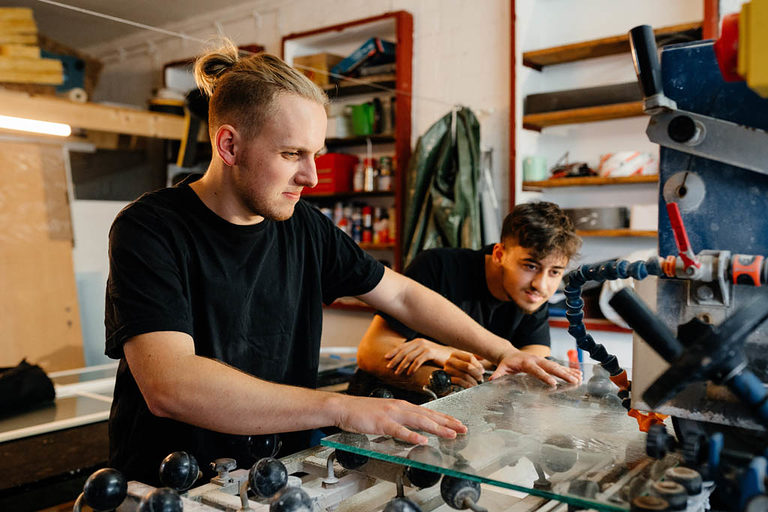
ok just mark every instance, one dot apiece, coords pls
pixel 543 369
pixel 464 368
pixel 395 418
pixel 410 356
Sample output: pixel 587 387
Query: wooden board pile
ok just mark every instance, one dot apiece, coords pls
pixel 20 61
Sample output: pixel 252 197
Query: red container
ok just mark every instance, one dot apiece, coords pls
pixel 334 174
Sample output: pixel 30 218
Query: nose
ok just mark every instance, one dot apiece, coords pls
pixel 307 174
pixel 539 282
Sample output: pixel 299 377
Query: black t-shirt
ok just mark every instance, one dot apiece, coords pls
pixel 250 296
pixel 459 276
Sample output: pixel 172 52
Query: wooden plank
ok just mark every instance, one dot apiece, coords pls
pixel 583 115
pixel 18 26
pixel 16 13
pixel 29 65
pixel 617 233
pixel 24 77
pixel 18 38
pixel 20 50
pixel 588 181
pixel 592 324
pixel 595 48
pixel 92 116
pixel 38 306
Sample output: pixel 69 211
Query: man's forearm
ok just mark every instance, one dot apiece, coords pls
pixel 430 313
pixel 209 394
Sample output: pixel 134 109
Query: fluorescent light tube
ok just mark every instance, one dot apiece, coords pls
pixel 29 125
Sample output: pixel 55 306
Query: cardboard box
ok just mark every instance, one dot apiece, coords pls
pixel 334 174
pixel 320 62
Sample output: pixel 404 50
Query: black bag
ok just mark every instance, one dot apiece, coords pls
pixel 24 387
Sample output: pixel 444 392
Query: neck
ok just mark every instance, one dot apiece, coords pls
pixel 493 279
pixel 217 191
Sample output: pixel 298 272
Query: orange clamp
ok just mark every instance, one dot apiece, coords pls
pixel 745 269
pixel 646 420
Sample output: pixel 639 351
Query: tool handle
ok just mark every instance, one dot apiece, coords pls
pixel 646 324
pixel 642 42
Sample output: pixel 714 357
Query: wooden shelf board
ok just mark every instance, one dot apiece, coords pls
pixel 592 324
pixel 617 233
pixel 92 116
pixel 583 115
pixel 588 181
pixel 368 246
pixel 613 45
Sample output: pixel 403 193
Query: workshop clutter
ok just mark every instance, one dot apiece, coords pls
pixel 339 172
pixel 374 117
pixel 627 163
pixel 20 60
pixel 316 67
pixel 363 222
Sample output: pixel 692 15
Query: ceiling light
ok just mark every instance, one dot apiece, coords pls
pixel 29 125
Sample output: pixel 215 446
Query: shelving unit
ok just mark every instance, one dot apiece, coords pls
pixel 342 40
pixel 587 181
pixel 602 47
pixel 583 115
pixel 613 45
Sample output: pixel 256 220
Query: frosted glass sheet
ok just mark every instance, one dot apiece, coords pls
pixel 531 438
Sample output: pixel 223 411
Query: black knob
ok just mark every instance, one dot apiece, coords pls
pixel 599 386
pixel 673 493
pixel 456 491
pixel 649 504
pixel 690 479
pixel 348 459
pixel 658 442
pixel 163 499
pixel 642 43
pixel 264 446
pixel 681 129
pixel 423 478
pixel 267 477
pixel 381 393
pixel 440 382
pixel 105 489
pixel 179 471
pixel 292 499
pixel 401 505
pixel 558 454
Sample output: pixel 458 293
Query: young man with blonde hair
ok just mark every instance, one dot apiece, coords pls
pixel 214 300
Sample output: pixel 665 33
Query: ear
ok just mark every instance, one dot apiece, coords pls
pixel 227 144
pixel 498 253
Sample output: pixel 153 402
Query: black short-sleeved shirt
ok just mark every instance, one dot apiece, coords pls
pixel 459 276
pixel 250 296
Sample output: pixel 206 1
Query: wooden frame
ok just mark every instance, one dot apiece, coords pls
pixel 403 83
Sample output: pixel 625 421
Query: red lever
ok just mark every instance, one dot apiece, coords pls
pixel 681 237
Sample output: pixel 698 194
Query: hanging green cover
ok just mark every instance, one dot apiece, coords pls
pixel 442 200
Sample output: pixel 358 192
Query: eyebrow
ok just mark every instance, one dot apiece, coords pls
pixel 531 260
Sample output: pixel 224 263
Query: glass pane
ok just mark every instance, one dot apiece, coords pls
pixel 566 443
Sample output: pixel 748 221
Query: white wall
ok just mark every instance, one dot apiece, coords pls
pixel 543 24
pixel 460 55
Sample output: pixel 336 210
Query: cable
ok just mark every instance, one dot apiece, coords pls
pixel 180 35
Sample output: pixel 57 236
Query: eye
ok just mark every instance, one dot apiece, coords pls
pixel 530 266
pixel 556 273
pixel 291 155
